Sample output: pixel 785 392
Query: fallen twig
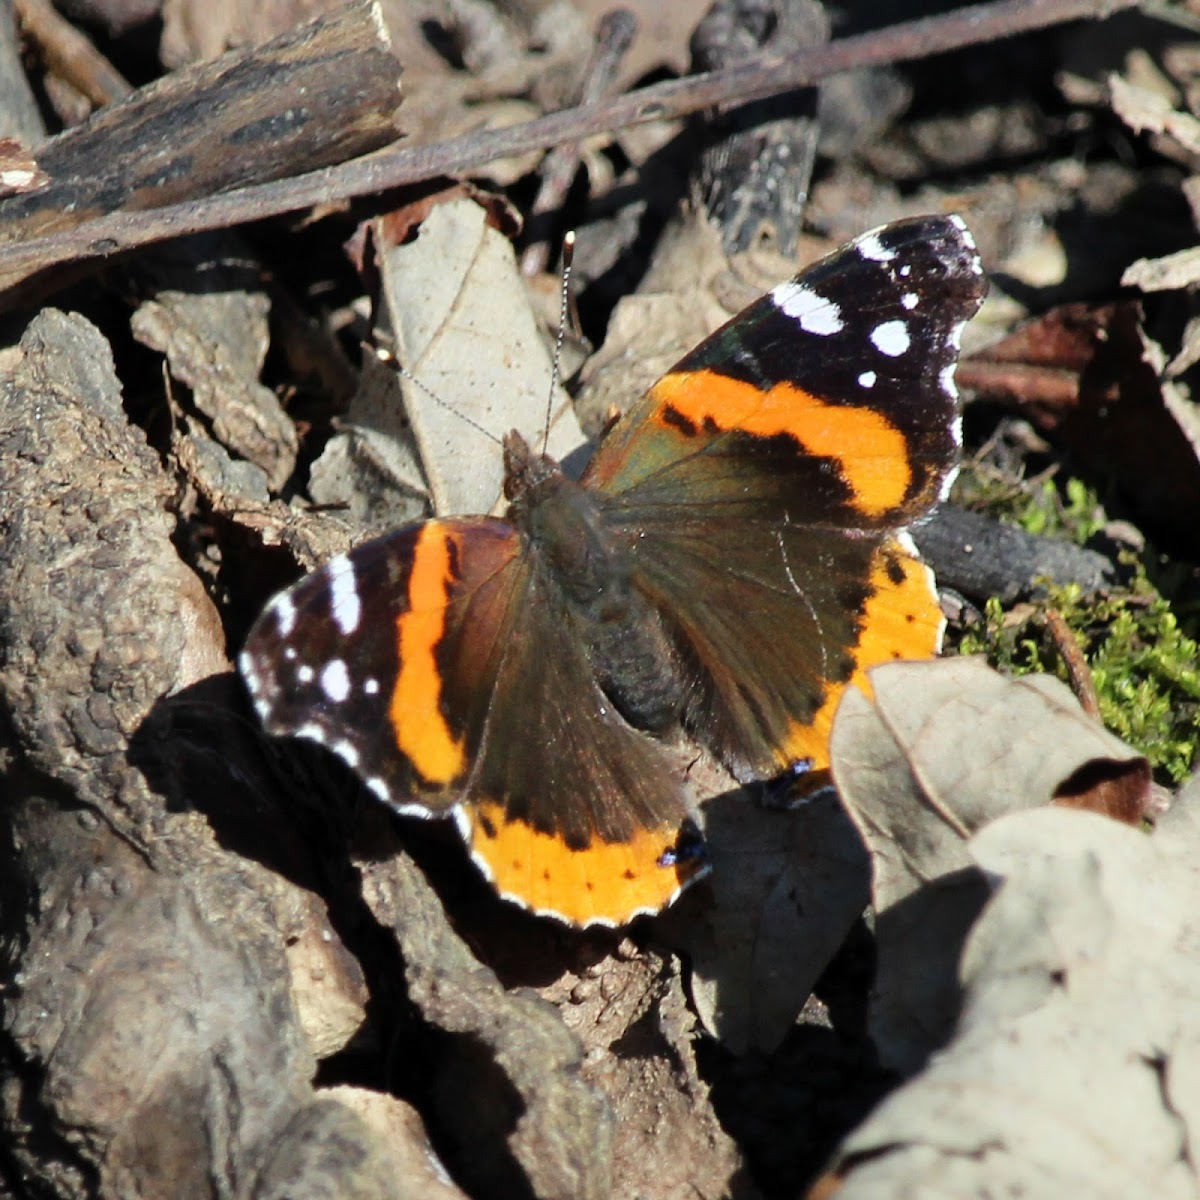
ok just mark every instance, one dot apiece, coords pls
pixel 751 80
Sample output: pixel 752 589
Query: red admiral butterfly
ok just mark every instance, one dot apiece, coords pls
pixel 733 558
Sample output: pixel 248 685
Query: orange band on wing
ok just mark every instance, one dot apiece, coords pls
pixel 902 619
pixel 873 453
pixel 420 729
pixel 605 883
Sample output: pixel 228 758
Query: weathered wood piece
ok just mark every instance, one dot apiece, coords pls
pixel 313 97
pixel 153 1039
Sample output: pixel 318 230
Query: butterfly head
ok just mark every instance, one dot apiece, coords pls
pixel 527 476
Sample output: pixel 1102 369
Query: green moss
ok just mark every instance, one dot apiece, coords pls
pixel 1146 670
pixel 1052 506
pixel 1074 512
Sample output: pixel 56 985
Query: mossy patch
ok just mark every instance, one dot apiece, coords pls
pixel 1146 670
pixel 1050 505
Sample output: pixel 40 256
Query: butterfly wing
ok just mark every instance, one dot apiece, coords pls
pixel 572 811
pixel 355 655
pixel 764 483
pixel 439 664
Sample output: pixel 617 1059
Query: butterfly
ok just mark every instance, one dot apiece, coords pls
pixel 733 558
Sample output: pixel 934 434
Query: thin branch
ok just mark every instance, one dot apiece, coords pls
pixel 747 81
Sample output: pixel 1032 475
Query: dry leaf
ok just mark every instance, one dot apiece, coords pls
pixel 942 750
pixel 1089 377
pixel 369 470
pixel 215 342
pixel 1178 270
pixel 194 30
pixel 464 329
pixel 1075 1068
pixel 19 170
pixel 785 888
pixel 1143 109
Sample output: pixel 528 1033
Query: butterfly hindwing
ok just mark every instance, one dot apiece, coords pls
pixel 571 810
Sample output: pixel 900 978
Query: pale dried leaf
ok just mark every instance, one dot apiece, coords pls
pixel 1145 110
pixel 194 30
pixel 369 469
pixel 786 886
pixel 664 34
pixel 942 750
pixel 19 170
pixel 464 328
pixel 215 342
pixel 1178 270
pixel 1075 1069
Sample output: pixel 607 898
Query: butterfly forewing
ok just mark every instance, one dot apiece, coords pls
pixel 439 662
pixel 833 396
pixel 364 655
pixel 764 483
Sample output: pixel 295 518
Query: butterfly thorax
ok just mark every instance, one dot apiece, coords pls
pixel 583 568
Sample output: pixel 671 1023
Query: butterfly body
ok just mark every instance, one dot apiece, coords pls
pixel 586 566
pixel 733 558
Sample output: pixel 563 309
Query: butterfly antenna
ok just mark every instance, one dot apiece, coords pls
pixel 387 357
pixel 568 261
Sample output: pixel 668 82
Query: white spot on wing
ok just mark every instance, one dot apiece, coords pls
pixel 871 248
pixel 867 379
pixel 347 609
pixel 335 681
pixel 249 674
pixel 813 312
pixel 891 338
pixel 910 300
pixel 284 608
pixel 371 687
pixel 304 673
pixel 347 753
pixel 946 379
